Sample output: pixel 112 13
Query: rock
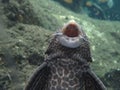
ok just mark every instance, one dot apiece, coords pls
pixel 112 79
pixel 5 80
pixel 25 12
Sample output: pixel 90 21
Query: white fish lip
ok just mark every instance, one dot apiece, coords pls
pixel 71 42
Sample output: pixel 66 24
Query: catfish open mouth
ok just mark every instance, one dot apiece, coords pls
pixel 71 30
pixel 70 35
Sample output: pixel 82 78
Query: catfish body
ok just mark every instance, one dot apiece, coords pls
pixel 66 67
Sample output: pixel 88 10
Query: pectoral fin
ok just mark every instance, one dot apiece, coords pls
pixel 92 82
pixel 39 79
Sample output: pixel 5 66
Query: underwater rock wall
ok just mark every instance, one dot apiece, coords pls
pixel 24 12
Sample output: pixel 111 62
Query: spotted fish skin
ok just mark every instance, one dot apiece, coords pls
pixel 66 68
pixel 65 74
pixel 83 51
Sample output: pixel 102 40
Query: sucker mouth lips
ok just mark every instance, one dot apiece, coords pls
pixel 70 35
pixel 71 31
